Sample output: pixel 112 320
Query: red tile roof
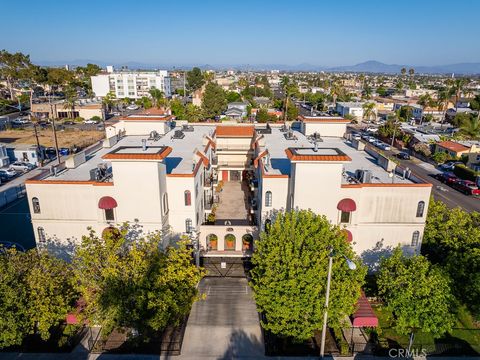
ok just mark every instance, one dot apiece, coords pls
pixel 235 131
pixel 147 118
pixel 453 146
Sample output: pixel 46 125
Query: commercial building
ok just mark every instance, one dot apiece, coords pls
pixel 84 108
pixel 220 185
pixel 131 84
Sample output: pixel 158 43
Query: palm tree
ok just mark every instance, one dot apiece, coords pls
pixel 369 111
pixel 403 71
pixel 71 98
pixel 457 88
pixel 411 71
pixel 471 128
pixel 157 96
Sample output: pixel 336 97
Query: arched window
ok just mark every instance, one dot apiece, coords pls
pixel 415 238
pixel 36 205
pixel 187 197
pixel 41 234
pixel 247 242
pixel 230 240
pixel 165 204
pixel 109 215
pixel 212 242
pixel 188 225
pixel 268 199
pixel 420 208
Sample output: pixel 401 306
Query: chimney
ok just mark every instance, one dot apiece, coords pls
pixel 144 144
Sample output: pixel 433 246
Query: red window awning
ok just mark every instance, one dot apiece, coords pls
pixel 349 235
pixel 347 205
pixel 364 316
pixel 107 202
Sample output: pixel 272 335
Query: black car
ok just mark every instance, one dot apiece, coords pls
pixel 68 122
pixel 403 156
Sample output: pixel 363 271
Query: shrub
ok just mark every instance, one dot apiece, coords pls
pixel 465 173
pixel 96 118
pixel 79 119
pixel 440 157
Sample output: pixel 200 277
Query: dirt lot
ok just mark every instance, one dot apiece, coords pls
pixel 68 138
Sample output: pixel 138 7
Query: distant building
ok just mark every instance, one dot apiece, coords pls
pixel 24 152
pixel 131 84
pixel 85 108
pixel 236 110
pixel 452 148
pixel 417 110
pixel 354 109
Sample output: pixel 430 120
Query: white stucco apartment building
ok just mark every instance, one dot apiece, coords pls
pixel 131 84
pixel 174 177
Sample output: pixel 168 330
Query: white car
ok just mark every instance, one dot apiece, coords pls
pixel 7 173
pixel 132 107
pixel 90 121
pixel 20 121
pixel 356 136
pixel 371 139
pixel 386 147
pixel 21 166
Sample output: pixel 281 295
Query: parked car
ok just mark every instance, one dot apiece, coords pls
pixel 403 155
pixel 69 122
pixel 385 146
pixel 6 174
pixel 90 121
pixel 371 139
pixel 116 113
pixel 449 166
pixel 356 136
pixel 447 178
pixel 132 107
pixel 467 187
pixel 64 151
pixel 22 166
pixel 20 121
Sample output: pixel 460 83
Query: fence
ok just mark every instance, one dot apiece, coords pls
pixel 11 194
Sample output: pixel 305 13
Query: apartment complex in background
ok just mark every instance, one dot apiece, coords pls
pixel 130 84
pixel 221 184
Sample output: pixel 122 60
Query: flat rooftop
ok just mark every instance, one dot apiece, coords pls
pixel 178 161
pixel 276 143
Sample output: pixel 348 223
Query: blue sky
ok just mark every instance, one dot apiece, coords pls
pixel 421 32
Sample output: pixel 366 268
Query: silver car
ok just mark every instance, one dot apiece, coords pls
pixel 21 166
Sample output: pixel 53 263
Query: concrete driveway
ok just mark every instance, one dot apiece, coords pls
pixel 225 325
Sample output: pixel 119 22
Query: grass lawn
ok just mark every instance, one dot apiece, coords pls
pixel 465 330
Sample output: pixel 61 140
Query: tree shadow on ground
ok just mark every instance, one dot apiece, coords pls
pixel 242 344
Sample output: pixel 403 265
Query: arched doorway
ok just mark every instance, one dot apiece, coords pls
pixel 230 242
pixel 247 242
pixel 212 242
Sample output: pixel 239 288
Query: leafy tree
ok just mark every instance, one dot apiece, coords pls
pixel 470 127
pixel 57 77
pixel 292 113
pixel 145 102
pixel 381 91
pixel 128 281
pixel 195 79
pixel 233 96
pixel 108 101
pixel 37 293
pixel 440 157
pixel 214 101
pixel 88 70
pixel 262 115
pixel 369 111
pixel 193 113
pixel 405 113
pixel 177 108
pixel 157 97
pixel 290 275
pixel 417 294
pixel 14 67
pixel 452 239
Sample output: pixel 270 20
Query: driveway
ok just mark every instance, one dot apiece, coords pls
pixel 225 325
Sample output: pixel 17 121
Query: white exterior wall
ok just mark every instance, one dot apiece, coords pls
pixel 280 196
pixel 178 211
pixel 138 127
pixel 324 129
pixel 100 85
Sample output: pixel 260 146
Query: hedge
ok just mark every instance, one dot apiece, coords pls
pixel 465 173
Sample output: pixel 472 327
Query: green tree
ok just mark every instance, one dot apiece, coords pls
pixel 128 282
pixel 452 240
pixel 369 111
pixel 411 71
pixel 381 91
pixel 262 115
pixel 70 101
pixel 439 157
pixel 403 71
pixel 14 67
pixel 195 79
pixel 214 101
pixel 417 294
pixel 177 108
pixel 193 113
pixel 470 127
pixel 233 96
pixel 37 293
pixel 108 101
pixel 145 102
pixel 290 274
pixel 157 97
pixel 292 113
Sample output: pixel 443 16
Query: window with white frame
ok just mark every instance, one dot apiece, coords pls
pixel 268 199
pixel 36 205
pixel 415 238
pixel 188 225
pixel 420 208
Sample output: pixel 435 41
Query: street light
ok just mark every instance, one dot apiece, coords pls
pixel 352 266
pixel 195 238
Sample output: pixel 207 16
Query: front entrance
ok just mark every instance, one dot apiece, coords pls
pixel 226 266
pixel 225 175
pixel 235 175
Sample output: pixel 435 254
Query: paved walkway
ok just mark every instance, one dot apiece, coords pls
pixel 225 325
pixel 233 202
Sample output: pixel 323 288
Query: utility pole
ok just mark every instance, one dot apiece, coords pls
pixel 57 153
pixel 184 85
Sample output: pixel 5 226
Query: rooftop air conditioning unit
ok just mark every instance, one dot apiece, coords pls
pixel 363 176
pixel 178 134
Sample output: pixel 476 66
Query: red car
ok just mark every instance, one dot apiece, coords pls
pixel 447 178
pixel 467 187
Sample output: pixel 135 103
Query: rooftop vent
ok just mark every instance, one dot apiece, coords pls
pixel 289 135
pixel 284 128
pixel 99 173
pixel 144 144
pixel 264 130
pixel 154 136
pixel 178 134
pixel 188 128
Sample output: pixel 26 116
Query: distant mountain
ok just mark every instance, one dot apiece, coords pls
pixel 370 66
